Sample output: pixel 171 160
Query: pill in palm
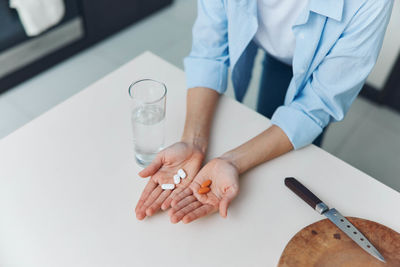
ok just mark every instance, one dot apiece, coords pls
pixel 206 183
pixel 204 190
pixel 177 179
pixel 167 186
pixel 182 173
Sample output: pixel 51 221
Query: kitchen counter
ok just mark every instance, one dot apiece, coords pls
pixel 69 185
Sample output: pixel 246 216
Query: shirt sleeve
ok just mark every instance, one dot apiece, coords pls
pixel 336 82
pixel 208 62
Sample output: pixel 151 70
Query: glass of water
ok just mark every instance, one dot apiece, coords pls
pixel 148 118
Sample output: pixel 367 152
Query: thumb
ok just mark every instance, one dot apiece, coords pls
pixel 150 170
pixel 229 195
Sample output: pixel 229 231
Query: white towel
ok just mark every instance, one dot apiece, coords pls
pixel 38 15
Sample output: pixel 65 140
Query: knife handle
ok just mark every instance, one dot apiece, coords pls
pixel 300 190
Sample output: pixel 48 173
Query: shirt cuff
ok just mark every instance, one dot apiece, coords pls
pixel 201 72
pixel 300 128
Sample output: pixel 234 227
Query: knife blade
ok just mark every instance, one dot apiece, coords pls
pixel 334 216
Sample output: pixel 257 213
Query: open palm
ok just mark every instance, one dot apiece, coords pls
pixel 189 205
pixel 162 170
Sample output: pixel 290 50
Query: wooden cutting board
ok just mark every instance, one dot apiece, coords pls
pixel 323 244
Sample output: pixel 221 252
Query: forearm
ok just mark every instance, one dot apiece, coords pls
pixel 200 108
pixel 268 145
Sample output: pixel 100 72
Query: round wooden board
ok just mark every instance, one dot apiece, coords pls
pixel 323 244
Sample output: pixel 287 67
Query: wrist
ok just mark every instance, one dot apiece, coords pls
pixel 200 142
pixel 232 158
pixel 268 145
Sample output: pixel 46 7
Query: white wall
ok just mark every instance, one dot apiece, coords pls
pixel 390 50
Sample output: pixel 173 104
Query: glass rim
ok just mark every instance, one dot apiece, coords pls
pixel 148 80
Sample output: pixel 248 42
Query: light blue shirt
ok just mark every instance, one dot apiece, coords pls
pixel 337 45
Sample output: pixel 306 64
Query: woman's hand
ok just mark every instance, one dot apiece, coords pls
pixel 181 155
pixel 189 205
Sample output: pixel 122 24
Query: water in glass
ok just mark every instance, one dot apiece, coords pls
pixel 148 124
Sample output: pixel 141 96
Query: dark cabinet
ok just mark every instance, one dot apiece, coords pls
pixel 389 95
pixel 104 17
pixel 86 21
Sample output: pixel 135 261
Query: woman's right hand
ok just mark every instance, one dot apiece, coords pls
pixel 181 155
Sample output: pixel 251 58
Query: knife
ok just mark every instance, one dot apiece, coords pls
pixel 334 216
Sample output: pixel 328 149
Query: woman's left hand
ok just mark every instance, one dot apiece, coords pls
pixel 189 205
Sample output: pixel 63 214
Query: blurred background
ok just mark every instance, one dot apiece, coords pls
pixel 45 60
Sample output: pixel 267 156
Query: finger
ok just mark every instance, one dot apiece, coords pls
pixel 151 185
pixel 180 196
pixel 226 200
pixel 167 203
pixel 152 197
pixel 157 204
pixel 176 217
pixel 150 170
pixel 181 204
pixel 197 213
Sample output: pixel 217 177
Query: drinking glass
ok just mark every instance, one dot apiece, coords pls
pixel 148 118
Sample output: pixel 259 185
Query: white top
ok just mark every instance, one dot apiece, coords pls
pixel 275 21
pixel 68 187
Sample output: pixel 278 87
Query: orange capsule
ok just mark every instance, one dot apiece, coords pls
pixel 206 183
pixel 204 190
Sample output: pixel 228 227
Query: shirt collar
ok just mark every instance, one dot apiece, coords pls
pixel 328 8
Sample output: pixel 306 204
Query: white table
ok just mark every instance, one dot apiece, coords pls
pixel 68 187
